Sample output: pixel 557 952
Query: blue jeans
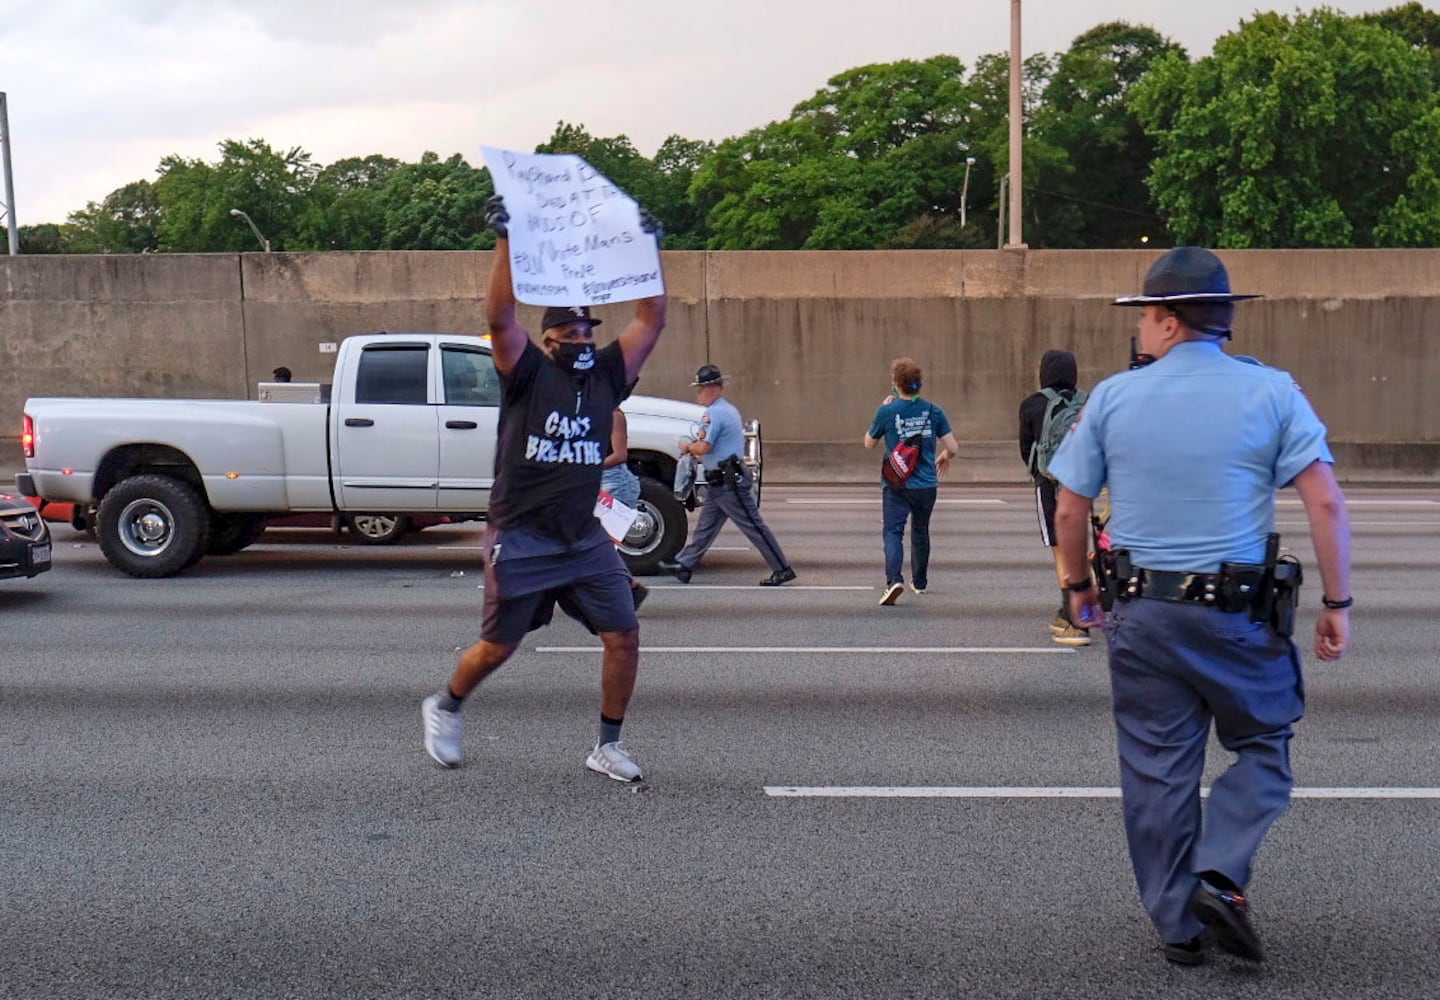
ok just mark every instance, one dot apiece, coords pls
pixel 915 506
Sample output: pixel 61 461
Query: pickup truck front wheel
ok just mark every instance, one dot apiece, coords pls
pixel 153 525
pixel 658 532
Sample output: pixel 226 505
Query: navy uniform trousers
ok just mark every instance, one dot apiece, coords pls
pixel 1174 668
pixel 733 501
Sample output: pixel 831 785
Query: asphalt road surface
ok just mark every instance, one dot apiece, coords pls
pixel 213 785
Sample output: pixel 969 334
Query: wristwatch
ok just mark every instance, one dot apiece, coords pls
pixel 1079 586
pixel 1336 605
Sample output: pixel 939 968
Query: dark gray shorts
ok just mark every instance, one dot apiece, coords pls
pixel 522 589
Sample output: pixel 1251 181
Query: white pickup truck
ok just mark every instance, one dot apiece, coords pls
pixel 407 428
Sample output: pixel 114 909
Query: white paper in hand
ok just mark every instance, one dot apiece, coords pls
pixel 575 238
pixel 615 517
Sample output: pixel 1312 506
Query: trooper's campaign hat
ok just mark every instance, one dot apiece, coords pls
pixel 708 375
pixel 560 315
pixel 1185 274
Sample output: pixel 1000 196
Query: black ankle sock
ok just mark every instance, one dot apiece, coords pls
pixel 449 700
pixel 609 729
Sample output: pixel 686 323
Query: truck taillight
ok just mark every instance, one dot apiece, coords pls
pixel 27 437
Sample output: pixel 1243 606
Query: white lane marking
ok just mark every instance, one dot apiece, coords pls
pixel 1053 792
pixel 876 500
pixel 909 650
pixel 753 586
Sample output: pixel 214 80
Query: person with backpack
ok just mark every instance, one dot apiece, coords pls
pixel 918 449
pixel 1045 418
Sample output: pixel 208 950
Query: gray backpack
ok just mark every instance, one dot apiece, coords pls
pixel 1060 416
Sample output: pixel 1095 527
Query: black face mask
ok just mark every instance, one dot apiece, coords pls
pixel 575 357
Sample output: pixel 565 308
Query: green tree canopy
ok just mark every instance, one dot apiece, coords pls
pixel 660 185
pixel 1090 190
pixel 127 221
pixel 1313 131
pixel 344 206
pixel 876 149
pixel 270 186
pixel 436 205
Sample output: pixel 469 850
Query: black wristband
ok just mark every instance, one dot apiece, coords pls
pixel 1337 605
pixel 1080 586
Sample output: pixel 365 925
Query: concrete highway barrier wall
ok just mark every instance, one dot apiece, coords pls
pixel 805 339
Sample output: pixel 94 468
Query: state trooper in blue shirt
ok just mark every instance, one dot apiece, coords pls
pixel 1193 448
pixel 720 448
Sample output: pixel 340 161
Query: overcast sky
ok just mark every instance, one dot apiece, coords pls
pixel 100 90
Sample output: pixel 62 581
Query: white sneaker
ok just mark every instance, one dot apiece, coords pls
pixel 917 591
pixel 892 594
pixel 442 732
pixel 613 760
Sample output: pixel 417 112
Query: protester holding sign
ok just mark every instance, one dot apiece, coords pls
pixel 919 447
pixel 543 544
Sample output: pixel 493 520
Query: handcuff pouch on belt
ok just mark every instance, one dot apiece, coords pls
pixel 1268 591
pixel 726 473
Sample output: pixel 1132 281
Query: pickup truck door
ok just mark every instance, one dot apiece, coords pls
pixel 469 415
pixel 385 431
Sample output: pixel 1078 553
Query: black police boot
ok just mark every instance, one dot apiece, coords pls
pixel 1227 913
pixel 778 577
pixel 678 570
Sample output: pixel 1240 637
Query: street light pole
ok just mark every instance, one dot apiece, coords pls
pixel 965 188
pixel 264 243
pixel 1017 112
pixel 1000 213
pixel 12 226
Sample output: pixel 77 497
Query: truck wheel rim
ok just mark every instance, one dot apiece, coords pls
pixel 373 526
pixel 644 534
pixel 146 527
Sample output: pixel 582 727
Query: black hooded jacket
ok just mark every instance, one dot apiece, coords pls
pixel 1057 371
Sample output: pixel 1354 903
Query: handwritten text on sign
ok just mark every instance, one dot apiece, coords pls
pixel 575 238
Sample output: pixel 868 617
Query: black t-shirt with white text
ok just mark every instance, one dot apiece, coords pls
pixel 554 431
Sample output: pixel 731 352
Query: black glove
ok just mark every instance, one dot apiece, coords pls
pixel 652 225
pixel 497 217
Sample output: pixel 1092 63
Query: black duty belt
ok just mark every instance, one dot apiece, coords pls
pixel 1212 589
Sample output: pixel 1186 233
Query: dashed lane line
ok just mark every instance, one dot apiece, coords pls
pixel 825 650
pixel 1052 792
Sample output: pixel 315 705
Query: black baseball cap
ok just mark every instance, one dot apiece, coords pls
pixel 708 375
pixel 560 315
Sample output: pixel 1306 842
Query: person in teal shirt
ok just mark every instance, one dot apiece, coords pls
pixel 901 416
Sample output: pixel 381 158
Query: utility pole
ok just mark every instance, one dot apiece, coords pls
pixel 9 204
pixel 1017 136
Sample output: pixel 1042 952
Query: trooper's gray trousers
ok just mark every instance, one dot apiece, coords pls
pixel 1175 667
pixel 733 501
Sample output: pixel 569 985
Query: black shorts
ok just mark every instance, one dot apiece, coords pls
pixel 592 586
pixel 1045 493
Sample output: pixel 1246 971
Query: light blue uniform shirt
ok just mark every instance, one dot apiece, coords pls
pixel 725 433
pixel 1193 448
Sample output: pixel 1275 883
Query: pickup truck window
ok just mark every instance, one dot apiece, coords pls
pixel 470 377
pixel 392 374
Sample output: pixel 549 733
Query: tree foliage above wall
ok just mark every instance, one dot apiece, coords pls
pixel 1311 130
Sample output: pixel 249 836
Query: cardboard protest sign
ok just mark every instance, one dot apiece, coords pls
pixel 575 238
